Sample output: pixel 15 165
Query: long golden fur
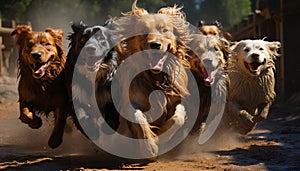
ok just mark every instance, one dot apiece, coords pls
pixel 173 11
pixel 212 52
pixel 156 36
pixel 215 29
pixel 41 82
pixel 251 92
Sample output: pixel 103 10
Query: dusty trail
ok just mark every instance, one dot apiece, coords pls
pixel 273 145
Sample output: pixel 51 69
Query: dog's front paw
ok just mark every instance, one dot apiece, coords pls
pixel 33 121
pixel 55 140
pixel 245 125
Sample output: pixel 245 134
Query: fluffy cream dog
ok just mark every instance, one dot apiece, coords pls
pixel 251 92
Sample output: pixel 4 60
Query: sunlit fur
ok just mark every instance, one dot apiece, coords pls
pixel 41 79
pixel 251 92
pixel 212 82
pixel 171 33
pixel 173 11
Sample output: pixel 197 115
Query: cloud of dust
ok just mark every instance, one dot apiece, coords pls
pixel 221 140
pixel 17 137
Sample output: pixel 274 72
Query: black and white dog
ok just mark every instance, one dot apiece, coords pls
pixel 89 46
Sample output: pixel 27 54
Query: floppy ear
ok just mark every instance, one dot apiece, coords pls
pixel 218 24
pixel 58 36
pixel 21 32
pixel 235 47
pixel 225 47
pixel 78 26
pixel 201 23
pixel 274 46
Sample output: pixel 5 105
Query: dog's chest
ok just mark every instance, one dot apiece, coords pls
pixel 250 93
pixel 42 97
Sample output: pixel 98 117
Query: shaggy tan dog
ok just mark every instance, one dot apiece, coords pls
pixel 157 36
pixel 251 92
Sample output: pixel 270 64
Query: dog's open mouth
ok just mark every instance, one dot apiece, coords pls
pixel 39 68
pixel 209 74
pixel 93 63
pixel 255 67
pixel 157 60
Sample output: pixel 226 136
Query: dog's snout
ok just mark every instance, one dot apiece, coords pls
pixel 207 61
pixel 36 55
pixel 255 55
pixel 90 49
pixel 155 45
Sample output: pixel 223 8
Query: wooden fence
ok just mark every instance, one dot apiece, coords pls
pixel 8 52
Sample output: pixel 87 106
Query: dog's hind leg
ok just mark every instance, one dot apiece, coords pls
pixel 28 117
pixel 170 127
pixel 59 125
pixel 141 130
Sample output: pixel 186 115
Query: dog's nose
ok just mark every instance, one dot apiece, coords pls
pixel 254 56
pixel 90 49
pixel 36 55
pixel 207 61
pixel 155 45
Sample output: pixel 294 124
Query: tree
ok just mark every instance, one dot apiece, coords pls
pixel 13 9
pixel 229 12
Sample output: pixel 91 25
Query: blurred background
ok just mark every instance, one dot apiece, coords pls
pixel 277 20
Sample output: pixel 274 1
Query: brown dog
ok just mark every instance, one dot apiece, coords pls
pixel 251 91
pixel 157 36
pixel 215 29
pixel 41 84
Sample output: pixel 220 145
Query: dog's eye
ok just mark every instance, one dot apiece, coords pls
pixel 246 49
pixel 29 45
pixel 261 49
pixel 165 30
pixel 216 48
pixel 48 44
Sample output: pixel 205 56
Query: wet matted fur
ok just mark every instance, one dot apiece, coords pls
pixel 41 79
pixel 251 92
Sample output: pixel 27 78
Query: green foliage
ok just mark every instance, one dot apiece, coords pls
pixel 59 13
pixel 229 12
pixel 13 9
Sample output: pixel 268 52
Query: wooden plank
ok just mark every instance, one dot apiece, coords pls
pixel 4 30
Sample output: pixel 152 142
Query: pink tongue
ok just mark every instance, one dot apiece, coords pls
pixel 159 64
pixel 254 66
pixel 209 77
pixel 41 71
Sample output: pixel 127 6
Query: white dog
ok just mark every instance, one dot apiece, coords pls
pixel 251 91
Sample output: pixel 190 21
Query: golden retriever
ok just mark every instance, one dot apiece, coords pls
pixel 213 53
pixel 215 29
pixel 41 79
pixel 159 43
pixel 251 92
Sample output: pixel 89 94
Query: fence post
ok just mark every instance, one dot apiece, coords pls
pixel 1 52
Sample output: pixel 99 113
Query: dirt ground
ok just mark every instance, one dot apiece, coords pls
pixel 273 145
